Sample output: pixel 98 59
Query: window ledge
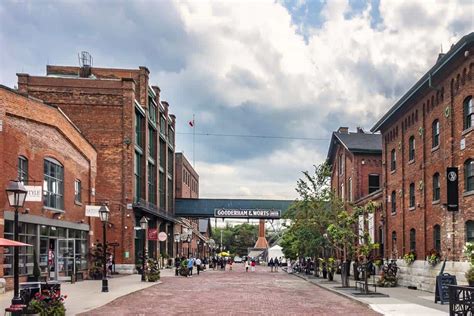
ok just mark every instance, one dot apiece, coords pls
pixel 468 193
pixel 435 202
pixel 410 162
pixel 393 171
pixel 412 208
pixel 78 203
pixel 394 213
pixel 433 149
pixel 467 131
pixel 54 210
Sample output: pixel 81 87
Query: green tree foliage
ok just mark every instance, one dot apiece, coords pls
pixel 237 239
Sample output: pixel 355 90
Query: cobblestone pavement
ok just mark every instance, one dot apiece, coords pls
pixel 233 293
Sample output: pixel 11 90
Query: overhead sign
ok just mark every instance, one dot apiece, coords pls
pixel 247 213
pixel 92 210
pixel 152 234
pixel 452 188
pixel 162 236
pixel 35 193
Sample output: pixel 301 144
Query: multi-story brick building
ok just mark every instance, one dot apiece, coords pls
pixel 40 146
pixel 428 130
pixel 187 187
pixel 133 132
pixel 356 172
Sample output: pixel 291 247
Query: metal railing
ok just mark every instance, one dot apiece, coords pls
pixel 461 300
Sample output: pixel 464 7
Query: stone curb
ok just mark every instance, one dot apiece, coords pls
pixel 335 291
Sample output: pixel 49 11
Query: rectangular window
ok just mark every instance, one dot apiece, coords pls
pixel 350 189
pixel 374 182
pixel 138 170
pixel 170 194
pixel 162 154
pixel 412 195
pixel 26 234
pixel 341 164
pixel 23 170
pixel 162 188
pixel 393 160
pixel 151 183
pixel 170 162
pixel 411 148
pixel 162 125
pixel 53 184
pixel 436 187
pixel 152 142
pixel 139 129
pixel 77 191
pixel 437 237
pixel 151 110
pixel 435 134
pixel 171 136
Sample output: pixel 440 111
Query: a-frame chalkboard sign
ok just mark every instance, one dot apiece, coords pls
pixel 442 287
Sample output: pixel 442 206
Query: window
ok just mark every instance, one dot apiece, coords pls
pixel 411 148
pixel 412 195
pixel 139 119
pixel 170 194
pixel 437 238
pixel 27 234
pixel 162 125
pixel 468 113
pixel 162 188
pixel 151 183
pixel 138 169
pixel 162 154
pixel 350 189
pixel 151 110
pixel 436 187
pixel 435 134
pixel 152 142
pixel 170 162
pixel 469 175
pixel 171 136
pixel 393 160
pixel 77 191
pixel 394 242
pixel 470 231
pixel 394 202
pixel 374 182
pixel 342 192
pixel 23 169
pixel 53 184
pixel 341 164
pixel 413 240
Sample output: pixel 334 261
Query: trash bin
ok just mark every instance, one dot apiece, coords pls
pixel 28 291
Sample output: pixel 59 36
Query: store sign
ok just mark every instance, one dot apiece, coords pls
pixel 247 213
pixel 92 210
pixel 162 236
pixel 152 234
pixel 35 193
pixel 452 188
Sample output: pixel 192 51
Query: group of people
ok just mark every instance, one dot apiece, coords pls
pixel 250 263
pixel 190 264
pixel 274 264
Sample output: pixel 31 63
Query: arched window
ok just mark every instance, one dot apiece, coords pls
pixel 468 113
pixel 436 187
pixel 411 148
pixel 437 238
pixel 470 231
pixel 435 134
pixel 412 195
pixel 53 184
pixel 393 161
pixel 469 175
pixel 23 169
pixel 413 240
pixel 394 202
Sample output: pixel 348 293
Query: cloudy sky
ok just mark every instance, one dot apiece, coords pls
pixel 295 70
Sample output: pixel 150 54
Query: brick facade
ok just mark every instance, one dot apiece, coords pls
pixel 133 132
pixel 438 96
pixel 37 131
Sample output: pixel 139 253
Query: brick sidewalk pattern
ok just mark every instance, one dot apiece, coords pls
pixel 234 293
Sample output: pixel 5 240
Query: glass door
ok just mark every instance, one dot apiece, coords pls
pixel 65 262
pixel 51 259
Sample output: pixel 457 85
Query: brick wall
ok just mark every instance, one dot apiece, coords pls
pixel 185 190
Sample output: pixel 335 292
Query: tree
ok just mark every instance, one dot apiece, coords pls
pixel 237 239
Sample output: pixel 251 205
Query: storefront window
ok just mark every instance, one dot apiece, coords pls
pixel 27 235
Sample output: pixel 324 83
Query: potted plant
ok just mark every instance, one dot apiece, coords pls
pixel 323 267
pixel 47 303
pixel 183 268
pixel 409 257
pixel 433 257
pixel 378 262
pixel 331 267
pixel 469 252
pixel 356 270
pixel 96 258
pixel 152 271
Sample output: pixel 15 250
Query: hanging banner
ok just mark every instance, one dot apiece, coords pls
pixel 152 234
pixel 452 188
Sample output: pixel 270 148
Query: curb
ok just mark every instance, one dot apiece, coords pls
pixel 335 292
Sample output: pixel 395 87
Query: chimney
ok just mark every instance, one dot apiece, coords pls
pixel 343 130
pixel 360 130
pixel 85 61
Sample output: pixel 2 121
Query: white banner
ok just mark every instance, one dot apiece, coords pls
pixel 92 210
pixel 35 193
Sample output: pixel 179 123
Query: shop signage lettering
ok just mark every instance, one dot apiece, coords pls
pixel 247 213
pixel 162 236
pixel 152 234
pixel 35 193
pixel 92 210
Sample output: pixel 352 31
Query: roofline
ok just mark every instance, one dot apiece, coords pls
pixel 353 150
pixel 464 41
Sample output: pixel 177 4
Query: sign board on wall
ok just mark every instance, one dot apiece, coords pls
pixel 92 210
pixel 35 193
pixel 452 188
pixel 247 213
pixel 152 234
pixel 162 236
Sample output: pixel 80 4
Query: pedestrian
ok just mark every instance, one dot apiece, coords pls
pixel 190 266
pixel 276 264
pixel 198 265
pixel 246 266
pixel 253 264
pixel 177 263
pixel 222 263
pixel 270 263
pixel 214 263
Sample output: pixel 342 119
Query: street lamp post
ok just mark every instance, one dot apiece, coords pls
pixel 16 194
pixel 104 214
pixel 144 226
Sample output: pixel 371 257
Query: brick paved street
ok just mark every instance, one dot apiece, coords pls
pixel 233 293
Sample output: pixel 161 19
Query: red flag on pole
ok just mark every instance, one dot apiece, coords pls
pixel 191 123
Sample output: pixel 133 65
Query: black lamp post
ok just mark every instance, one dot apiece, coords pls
pixel 104 214
pixel 16 194
pixel 144 226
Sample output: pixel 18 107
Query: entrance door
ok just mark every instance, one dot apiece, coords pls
pixel 52 259
pixel 65 261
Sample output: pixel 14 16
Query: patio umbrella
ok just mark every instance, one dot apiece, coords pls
pixel 224 254
pixel 11 243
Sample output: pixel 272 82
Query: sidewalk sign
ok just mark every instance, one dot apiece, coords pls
pixel 442 287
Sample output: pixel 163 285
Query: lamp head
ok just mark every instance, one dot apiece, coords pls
pixel 104 213
pixel 144 223
pixel 16 193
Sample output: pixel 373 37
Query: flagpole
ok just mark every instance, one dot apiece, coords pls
pixel 194 138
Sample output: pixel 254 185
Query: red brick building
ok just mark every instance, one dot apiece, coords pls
pixel 123 117
pixel 428 130
pixel 356 163
pixel 40 146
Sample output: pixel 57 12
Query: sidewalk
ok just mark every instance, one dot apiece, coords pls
pixel 400 300
pixel 86 295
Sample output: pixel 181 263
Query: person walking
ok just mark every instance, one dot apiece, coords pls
pixel 246 266
pixel 270 264
pixel 198 265
pixel 253 264
pixel 177 263
pixel 190 266
pixel 230 264
pixel 276 263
